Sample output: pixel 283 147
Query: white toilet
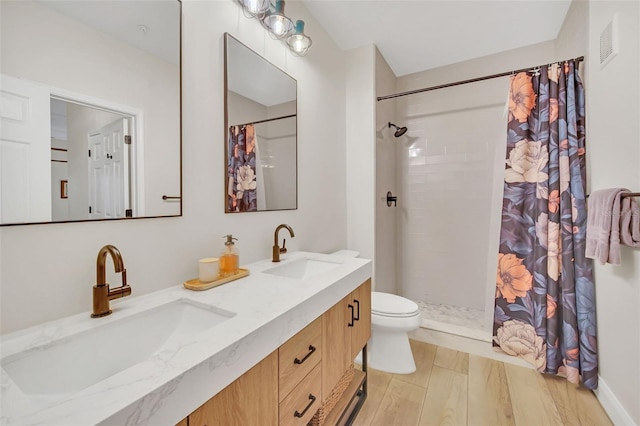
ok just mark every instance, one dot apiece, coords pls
pixel 392 317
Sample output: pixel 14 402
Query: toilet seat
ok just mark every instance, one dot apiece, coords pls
pixel 393 306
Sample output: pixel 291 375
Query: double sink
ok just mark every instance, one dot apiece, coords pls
pixel 80 360
pixel 72 362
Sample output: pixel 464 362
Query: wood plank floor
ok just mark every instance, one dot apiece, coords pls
pixel 456 388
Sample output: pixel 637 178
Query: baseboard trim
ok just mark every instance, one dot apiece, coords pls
pixel 612 406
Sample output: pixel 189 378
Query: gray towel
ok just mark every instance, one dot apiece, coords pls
pixel 630 223
pixel 603 226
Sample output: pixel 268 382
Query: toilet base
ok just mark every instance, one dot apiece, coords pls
pixel 390 352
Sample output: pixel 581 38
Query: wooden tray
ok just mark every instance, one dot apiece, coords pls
pixel 196 285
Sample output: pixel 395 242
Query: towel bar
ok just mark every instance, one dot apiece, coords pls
pixel 626 194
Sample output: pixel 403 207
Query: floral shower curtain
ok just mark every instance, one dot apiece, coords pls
pixel 241 169
pixel 545 294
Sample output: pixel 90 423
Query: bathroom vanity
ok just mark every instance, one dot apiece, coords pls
pixel 228 351
pixel 290 384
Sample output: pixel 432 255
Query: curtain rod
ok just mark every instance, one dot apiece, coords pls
pixel 267 120
pixel 458 83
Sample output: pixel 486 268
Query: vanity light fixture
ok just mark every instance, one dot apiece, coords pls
pixel 277 23
pixel 299 42
pixel 280 27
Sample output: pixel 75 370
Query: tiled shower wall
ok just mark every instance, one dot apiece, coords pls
pixel 449 171
pixel 446 173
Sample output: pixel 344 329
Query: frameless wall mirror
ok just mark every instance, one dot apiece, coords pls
pixel 90 117
pixel 260 133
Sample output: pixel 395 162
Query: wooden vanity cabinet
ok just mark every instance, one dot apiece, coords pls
pixel 336 338
pixel 361 330
pixel 252 399
pixel 290 385
pixel 346 328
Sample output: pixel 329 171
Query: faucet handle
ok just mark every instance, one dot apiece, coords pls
pixel 284 246
pixel 122 291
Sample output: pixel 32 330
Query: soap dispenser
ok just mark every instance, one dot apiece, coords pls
pixel 229 258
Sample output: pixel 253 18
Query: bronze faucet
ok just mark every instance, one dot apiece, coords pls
pixel 101 292
pixel 276 249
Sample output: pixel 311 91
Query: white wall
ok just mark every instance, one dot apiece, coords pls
pixel 361 150
pixel 47 271
pixel 613 151
pixel 42 45
pixel 571 41
pixel 386 147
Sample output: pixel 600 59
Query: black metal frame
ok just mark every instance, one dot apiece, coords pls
pixel 361 394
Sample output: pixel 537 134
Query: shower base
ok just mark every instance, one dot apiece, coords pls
pixel 458 320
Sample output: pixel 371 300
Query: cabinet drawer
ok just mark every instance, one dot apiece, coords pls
pixel 298 356
pixel 301 404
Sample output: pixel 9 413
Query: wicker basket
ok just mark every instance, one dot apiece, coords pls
pixel 319 418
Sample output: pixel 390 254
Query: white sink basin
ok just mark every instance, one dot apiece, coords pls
pixel 302 268
pixel 78 361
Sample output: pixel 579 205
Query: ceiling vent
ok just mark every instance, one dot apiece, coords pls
pixel 609 42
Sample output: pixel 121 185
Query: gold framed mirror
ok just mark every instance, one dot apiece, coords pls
pixel 90 95
pixel 260 133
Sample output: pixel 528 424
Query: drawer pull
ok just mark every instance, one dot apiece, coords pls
pixel 312 399
pixel 357 317
pixel 312 349
pixel 352 317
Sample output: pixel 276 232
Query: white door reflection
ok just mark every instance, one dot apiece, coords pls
pixel 109 171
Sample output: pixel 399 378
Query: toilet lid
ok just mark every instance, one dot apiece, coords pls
pixel 390 305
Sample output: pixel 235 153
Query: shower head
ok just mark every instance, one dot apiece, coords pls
pixel 399 130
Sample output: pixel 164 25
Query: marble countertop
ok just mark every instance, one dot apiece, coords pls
pixel 169 385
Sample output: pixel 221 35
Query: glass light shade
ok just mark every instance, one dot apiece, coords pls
pixel 256 7
pixel 277 23
pixel 299 43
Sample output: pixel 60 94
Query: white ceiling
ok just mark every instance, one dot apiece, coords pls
pixel 422 34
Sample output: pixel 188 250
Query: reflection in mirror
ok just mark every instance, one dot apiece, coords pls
pixel 89 110
pixel 261 133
